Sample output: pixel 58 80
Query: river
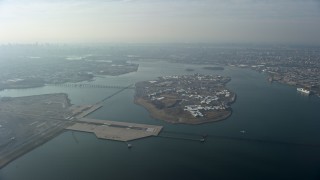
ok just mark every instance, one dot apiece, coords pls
pixel 281 139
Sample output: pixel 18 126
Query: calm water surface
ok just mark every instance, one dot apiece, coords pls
pixel 282 139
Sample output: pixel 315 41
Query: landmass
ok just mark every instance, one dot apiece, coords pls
pixel 187 99
pixel 297 66
pixel 40 71
pixel 27 122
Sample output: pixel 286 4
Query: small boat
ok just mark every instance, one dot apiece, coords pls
pixel 243 131
pixel 302 90
pixel 202 140
pixel 129 146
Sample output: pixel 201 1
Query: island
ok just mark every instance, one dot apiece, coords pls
pixel 186 99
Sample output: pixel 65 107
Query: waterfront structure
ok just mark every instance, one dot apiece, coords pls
pixel 304 91
pixel 115 130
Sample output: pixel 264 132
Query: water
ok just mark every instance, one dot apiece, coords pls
pixel 274 117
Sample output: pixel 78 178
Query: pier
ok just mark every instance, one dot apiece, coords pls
pixel 115 130
pixel 112 130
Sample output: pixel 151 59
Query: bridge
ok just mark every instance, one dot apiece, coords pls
pixel 74 85
pixel 110 96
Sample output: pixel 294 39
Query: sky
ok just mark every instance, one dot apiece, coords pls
pixel 160 21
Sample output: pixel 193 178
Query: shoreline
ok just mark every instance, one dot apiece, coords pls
pixel 313 92
pixel 163 116
pixel 31 126
pixel 81 79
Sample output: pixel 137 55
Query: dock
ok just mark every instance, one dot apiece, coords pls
pixel 115 130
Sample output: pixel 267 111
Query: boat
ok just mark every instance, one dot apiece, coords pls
pixel 302 90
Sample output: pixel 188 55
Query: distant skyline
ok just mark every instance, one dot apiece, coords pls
pixel 160 21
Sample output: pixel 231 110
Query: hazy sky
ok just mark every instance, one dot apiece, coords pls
pixel 226 21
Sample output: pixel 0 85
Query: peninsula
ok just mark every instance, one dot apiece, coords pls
pixel 187 99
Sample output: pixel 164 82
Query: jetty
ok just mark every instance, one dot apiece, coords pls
pixel 115 130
